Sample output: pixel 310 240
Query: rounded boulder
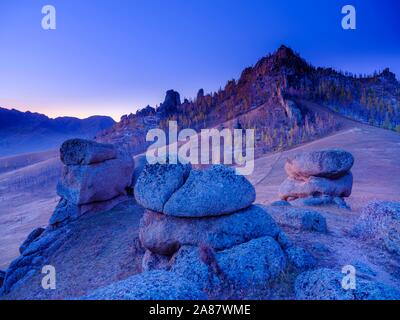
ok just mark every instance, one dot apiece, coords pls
pixel 214 191
pixel 164 234
pixel 150 285
pixel 157 182
pixel 84 152
pixel 332 164
pixel 292 189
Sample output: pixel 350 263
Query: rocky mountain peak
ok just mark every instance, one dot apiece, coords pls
pixel 286 58
pixel 284 52
pixel 200 94
pixel 170 104
pixel 387 75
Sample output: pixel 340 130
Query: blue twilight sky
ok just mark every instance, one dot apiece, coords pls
pixel 112 57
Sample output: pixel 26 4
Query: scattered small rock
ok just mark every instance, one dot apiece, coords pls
pixel 341 203
pixel 157 182
pixel 83 184
pixel 95 177
pixel 320 248
pixel 323 200
pixel 152 261
pixel 259 261
pixel 217 190
pixel 371 290
pixel 301 218
pixel 314 221
pixel 281 203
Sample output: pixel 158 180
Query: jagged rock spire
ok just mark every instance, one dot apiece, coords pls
pixel 170 104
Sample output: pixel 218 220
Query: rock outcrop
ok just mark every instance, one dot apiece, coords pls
pixel 300 259
pixel 31 237
pixel 318 177
pixel 164 234
pixel 34 255
pixel 170 104
pixel 256 262
pixel 314 221
pixel 316 187
pixel 95 177
pixel 207 226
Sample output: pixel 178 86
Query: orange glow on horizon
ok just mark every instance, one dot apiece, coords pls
pixel 77 111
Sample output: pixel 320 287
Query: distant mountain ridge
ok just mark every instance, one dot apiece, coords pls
pixel 24 132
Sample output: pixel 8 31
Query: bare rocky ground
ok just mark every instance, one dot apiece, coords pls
pixel 100 250
pixel 104 248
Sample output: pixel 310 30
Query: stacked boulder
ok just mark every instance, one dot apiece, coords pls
pixel 379 222
pixel 318 177
pixel 190 209
pixel 95 177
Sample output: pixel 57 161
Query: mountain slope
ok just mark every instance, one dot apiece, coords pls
pixel 267 97
pixel 25 132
